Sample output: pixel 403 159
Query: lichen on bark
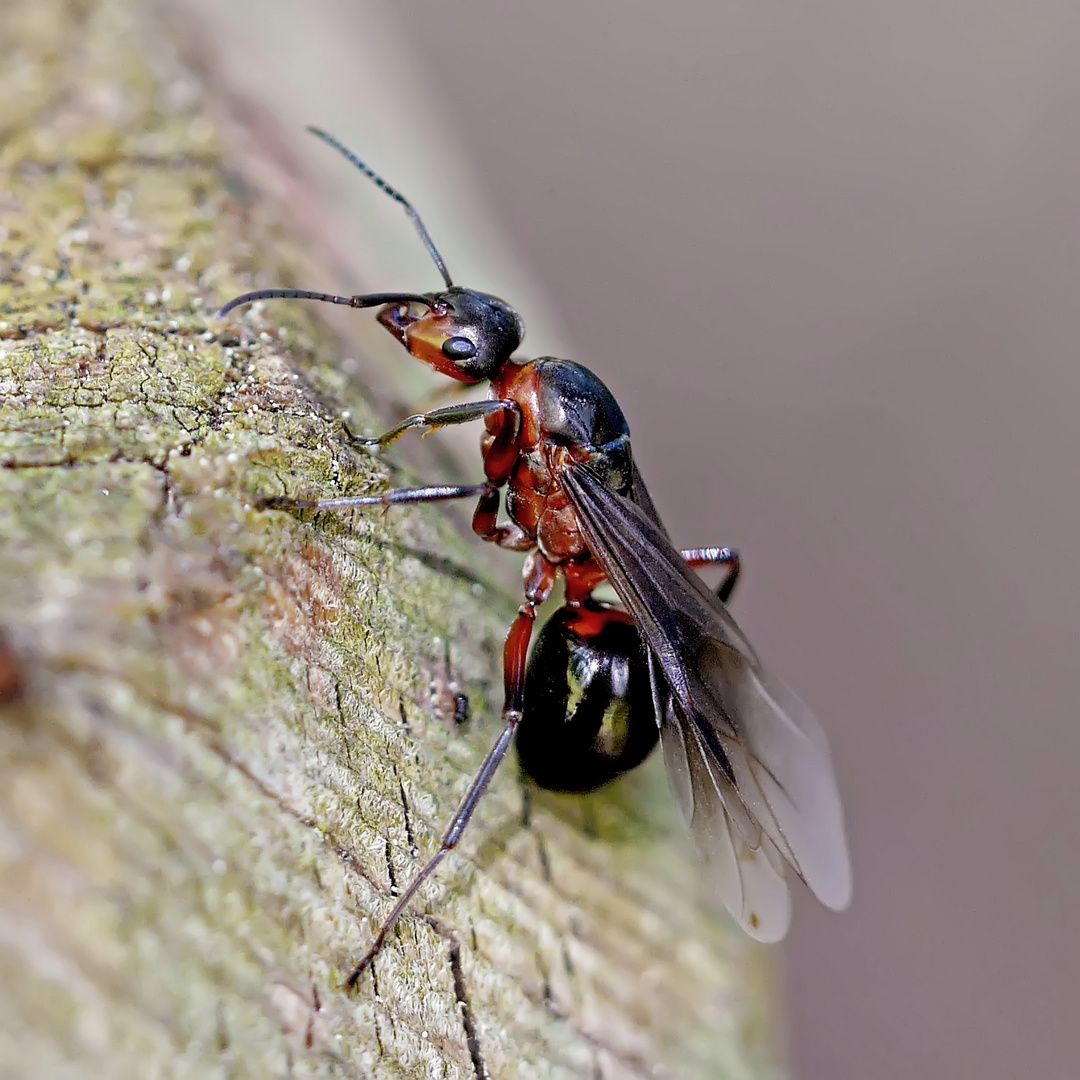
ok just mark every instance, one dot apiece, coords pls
pixel 232 743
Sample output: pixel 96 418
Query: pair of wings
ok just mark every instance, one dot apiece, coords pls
pixel 747 761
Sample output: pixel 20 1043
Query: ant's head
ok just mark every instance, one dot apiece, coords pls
pixel 462 333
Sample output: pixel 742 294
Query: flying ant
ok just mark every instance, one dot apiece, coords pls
pixel 746 760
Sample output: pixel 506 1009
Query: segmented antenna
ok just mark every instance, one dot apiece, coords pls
pixel 394 194
pixel 370 300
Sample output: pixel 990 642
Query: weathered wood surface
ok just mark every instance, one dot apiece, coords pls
pixel 232 741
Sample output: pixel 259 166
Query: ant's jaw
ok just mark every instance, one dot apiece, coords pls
pixel 397 318
pixel 424 330
pixel 461 333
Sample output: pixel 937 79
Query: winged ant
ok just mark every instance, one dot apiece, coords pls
pixel 746 760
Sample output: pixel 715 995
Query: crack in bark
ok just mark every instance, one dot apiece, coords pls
pixel 468 1018
pixel 375 1017
pixel 545 864
pixel 390 867
pixel 413 849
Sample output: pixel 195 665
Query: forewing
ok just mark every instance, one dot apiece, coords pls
pixel 783 773
pixel 744 867
pixel 756 764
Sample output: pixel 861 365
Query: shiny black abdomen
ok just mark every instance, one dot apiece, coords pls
pixel 589 712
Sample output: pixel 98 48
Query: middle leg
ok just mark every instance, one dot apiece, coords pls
pixel 393 497
pixel 485 525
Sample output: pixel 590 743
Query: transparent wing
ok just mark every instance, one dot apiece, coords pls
pixel 744 867
pixel 747 760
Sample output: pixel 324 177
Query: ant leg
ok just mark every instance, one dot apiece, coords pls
pixel 511 537
pixel 435 493
pixel 717 556
pixel 539 585
pixel 438 418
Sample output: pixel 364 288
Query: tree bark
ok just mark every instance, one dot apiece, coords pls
pixel 229 734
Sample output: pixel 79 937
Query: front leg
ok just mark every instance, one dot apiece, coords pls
pixel 438 418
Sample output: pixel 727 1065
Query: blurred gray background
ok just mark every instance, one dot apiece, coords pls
pixel 827 256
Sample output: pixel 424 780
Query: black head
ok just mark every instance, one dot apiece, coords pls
pixel 462 333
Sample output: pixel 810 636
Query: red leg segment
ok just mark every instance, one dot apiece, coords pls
pixel 509 536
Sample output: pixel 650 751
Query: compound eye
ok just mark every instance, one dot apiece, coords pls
pixel 458 348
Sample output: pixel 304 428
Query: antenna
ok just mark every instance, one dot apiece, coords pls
pixel 369 300
pixel 394 194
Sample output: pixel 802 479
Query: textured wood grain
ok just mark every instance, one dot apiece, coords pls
pixel 232 740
